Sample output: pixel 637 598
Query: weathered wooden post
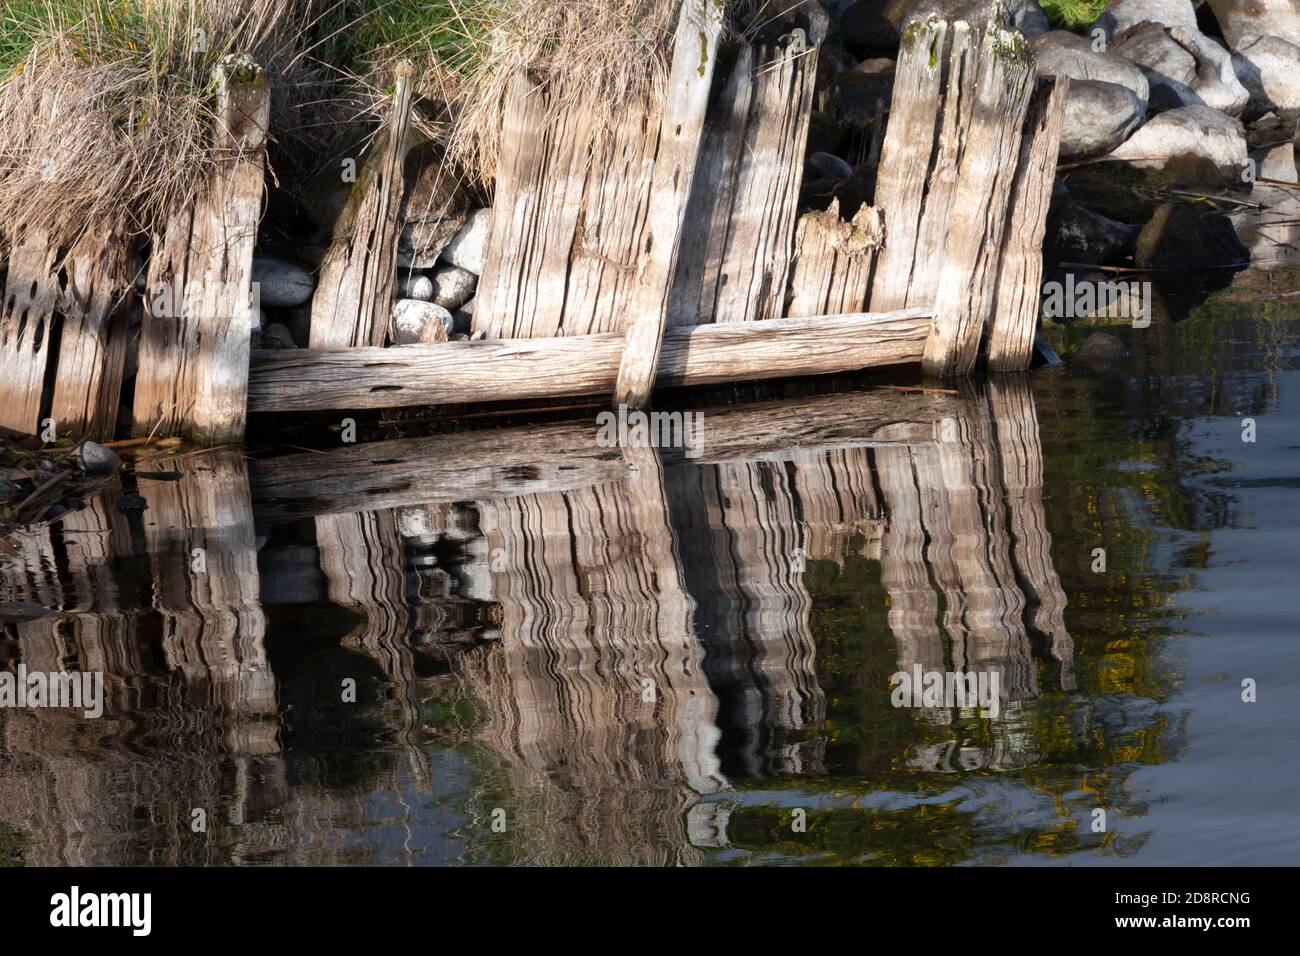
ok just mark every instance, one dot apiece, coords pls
pixel 194 339
pixel 27 317
pixel 1020 271
pixel 353 303
pixel 735 262
pixel 833 261
pixel 63 323
pixel 695 47
pixel 1001 80
pixel 905 160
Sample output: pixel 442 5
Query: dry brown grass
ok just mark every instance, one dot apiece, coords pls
pixel 110 112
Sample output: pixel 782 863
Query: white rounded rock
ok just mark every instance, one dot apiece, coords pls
pixel 467 247
pixel 453 286
pixel 416 322
pixel 415 287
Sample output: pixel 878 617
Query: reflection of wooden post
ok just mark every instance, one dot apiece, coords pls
pixel 746 555
pixel 913 603
pixel 1021 454
pixel 353 303
pixel 194 341
pixel 969 478
pixel 1015 313
pixel 199 531
pixel 363 559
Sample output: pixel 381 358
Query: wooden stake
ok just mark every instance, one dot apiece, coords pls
pixel 353 303
pixel 1020 272
pixel 695 50
pixel 194 339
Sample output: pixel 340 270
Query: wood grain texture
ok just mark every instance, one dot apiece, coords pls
pixel 999 88
pixel 695 48
pixel 906 158
pixel 508 462
pixel 193 360
pixel 101 270
pixel 1020 268
pixel 748 190
pixel 1020 451
pixel 27 317
pixel 353 302
pixel 833 261
pixel 488 371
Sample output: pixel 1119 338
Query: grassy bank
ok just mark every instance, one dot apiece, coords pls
pixel 123 89
pixel 106 105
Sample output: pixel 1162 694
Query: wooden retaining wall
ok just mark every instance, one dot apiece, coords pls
pixel 619 260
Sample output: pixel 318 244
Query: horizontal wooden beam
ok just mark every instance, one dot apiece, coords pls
pixel 513 369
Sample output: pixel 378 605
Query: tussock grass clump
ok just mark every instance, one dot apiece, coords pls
pixel 1072 14
pixel 606 53
pixel 106 106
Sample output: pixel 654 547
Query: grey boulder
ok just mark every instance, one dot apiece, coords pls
pixel 1077 234
pixel 1119 15
pixel 1179 237
pixel 94 459
pixel 1269 68
pixel 1061 53
pixel 1193 138
pixel 453 286
pixel 1245 21
pixel 1170 70
pixel 1099 116
pixel 466 249
pixel 282 284
pixel 417 323
pixel 415 287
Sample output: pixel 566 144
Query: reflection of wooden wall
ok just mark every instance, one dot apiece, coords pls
pixel 593 611
pixel 189 699
pixel 746 550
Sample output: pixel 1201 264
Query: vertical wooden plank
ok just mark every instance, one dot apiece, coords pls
pixel 695 47
pixel 31 295
pixel 954 130
pixel 101 271
pixel 698 271
pixel 831 273
pixel 906 158
pixel 1002 80
pixel 1020 269
pixel 760 236
pixel 614 215
pixel 353 302
pixel 194 340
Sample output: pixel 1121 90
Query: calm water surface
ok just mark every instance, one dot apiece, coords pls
pixel 661 660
